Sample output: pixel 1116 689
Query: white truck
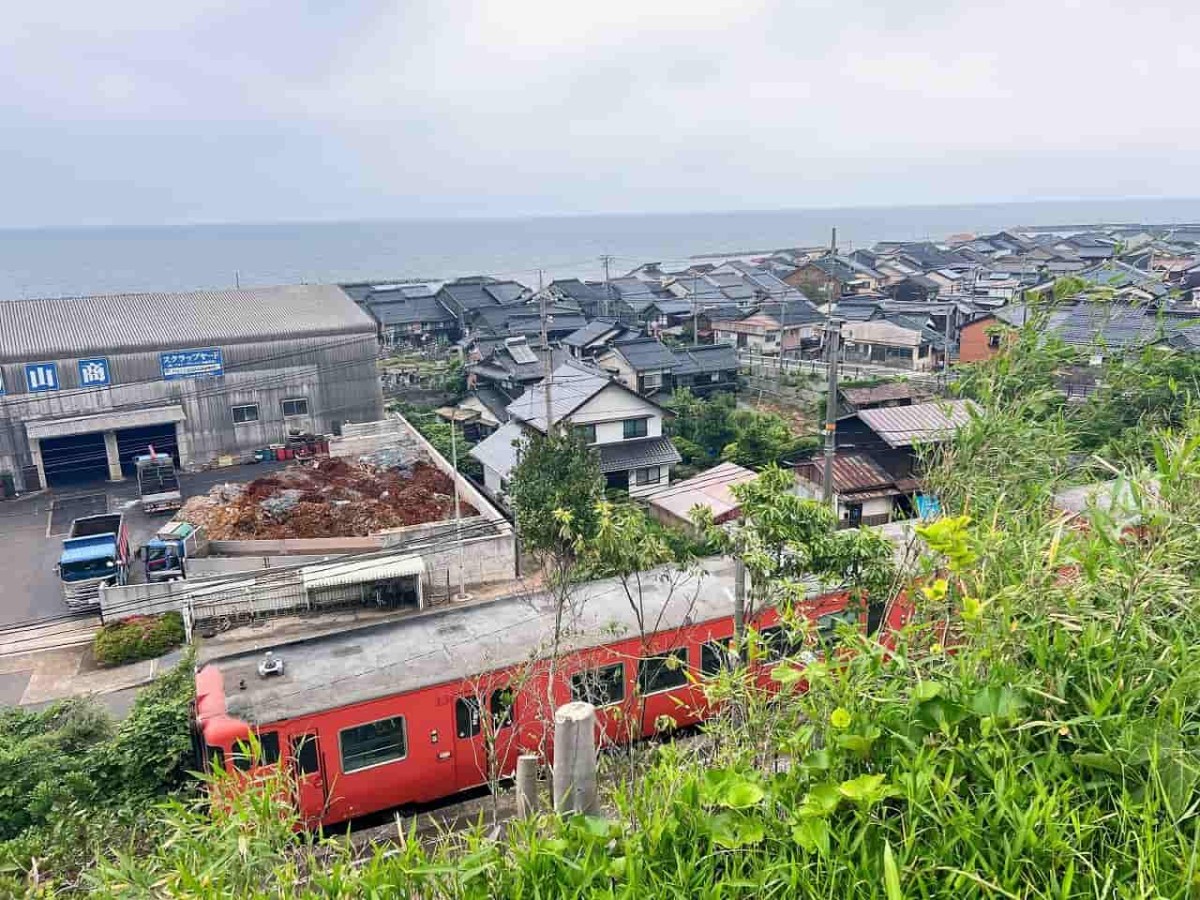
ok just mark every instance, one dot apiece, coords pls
pixel 158 483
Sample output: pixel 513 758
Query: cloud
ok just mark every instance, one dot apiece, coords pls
pixel 139 112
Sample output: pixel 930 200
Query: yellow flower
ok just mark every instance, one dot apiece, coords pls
pixel 840 718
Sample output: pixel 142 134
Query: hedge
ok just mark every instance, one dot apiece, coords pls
pixel 137 638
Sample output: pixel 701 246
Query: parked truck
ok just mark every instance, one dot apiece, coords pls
pixel 158 483
pixel 95 552
pixel 167 554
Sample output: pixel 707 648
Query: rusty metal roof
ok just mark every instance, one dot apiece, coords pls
pixel 884 393
pixel 852 473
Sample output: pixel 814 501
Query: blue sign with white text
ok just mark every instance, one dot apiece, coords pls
pixel 41 377
pixel 94 373
pixel 191 363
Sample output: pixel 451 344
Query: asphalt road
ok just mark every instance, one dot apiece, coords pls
pixel 32 529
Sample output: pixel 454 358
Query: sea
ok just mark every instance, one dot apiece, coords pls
pixel 58 262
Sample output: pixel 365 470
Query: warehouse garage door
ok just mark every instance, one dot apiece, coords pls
pixel 133 442
pixel 75 459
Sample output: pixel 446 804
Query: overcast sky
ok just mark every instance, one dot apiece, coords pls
pixel 148 111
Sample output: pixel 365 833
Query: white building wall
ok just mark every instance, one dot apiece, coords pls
pixel 609 408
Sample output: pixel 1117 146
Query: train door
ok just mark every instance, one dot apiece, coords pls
pixel 485 739
pixel 312 791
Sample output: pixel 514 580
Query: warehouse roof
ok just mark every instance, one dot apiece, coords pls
pixel 902 426
pixel 79 326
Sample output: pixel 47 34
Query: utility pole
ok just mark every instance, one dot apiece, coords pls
pixel 549 359
pixel 606 259
pixel 833 333
pixel 462 556
pixel 695 312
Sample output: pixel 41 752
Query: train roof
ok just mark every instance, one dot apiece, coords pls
pixel 450 644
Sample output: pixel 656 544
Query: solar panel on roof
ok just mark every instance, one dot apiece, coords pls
pixel 520 352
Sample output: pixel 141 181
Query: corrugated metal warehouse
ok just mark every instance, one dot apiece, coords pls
pixel 87 383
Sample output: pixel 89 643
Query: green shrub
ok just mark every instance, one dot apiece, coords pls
pixel 137 638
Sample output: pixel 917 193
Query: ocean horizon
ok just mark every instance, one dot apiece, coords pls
pixel 55 262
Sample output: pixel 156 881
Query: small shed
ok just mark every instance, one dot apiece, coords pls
pixel 672 506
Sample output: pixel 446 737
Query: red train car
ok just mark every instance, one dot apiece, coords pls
pixel 422 708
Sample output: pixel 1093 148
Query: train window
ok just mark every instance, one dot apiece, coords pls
pixel 304 754
pixel 827 625
pixel 263 751
pixel 502 707
pixel 774 641
pixel 373 744
pixel 466 713
pixel 714 657
pixel 600 687
pixel 268 742
pixel 662 673
pixel 215 757
pixel 466 717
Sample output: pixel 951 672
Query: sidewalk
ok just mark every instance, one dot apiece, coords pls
pixel 40 677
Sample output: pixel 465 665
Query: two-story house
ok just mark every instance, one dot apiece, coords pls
pixel 641 363
pixel 624 427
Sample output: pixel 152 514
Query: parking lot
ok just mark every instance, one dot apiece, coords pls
pixel 32 530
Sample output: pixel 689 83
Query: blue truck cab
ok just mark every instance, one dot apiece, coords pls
pixel 95 553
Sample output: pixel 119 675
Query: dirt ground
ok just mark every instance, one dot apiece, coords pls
pixel 329 498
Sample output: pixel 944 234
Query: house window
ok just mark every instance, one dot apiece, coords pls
pixel 662 673
pixel 466 713
pixel 652 382
pixel 714 656
pixel 600 687
pixel 994 340
pixel 652 475
pixel 247 412
pixel 373 744
pixel 586 433
pixel 297 406
pixel 636 428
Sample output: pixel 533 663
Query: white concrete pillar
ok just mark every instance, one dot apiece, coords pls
pixel 35 451
pixel 114 457
pixel 575 759
pixel 183 442
pixel 527 790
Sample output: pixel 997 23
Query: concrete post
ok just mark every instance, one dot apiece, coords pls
pixel 527 789
pixel 575 759
pixel 35 451
pixel 114 457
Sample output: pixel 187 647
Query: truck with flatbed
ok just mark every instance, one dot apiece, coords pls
pixel 95 552
pixel 166 555
pixel 158 483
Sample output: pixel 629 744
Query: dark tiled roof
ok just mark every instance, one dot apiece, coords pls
pixel 793 312
pixel 645 353
pixel 409 312
pixel 705 358
pixel 592 331
pixel 626 455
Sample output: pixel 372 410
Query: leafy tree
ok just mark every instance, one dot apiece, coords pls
pixel 554 490
pixel 784 539
pixel 760 439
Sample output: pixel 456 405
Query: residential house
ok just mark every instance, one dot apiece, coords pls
pixel 919 288
pixel 508 365
pixel 525 319
pixel 865 493
pixel 589 298
pixel 711 489
pixel 641 363
pixel 624 427
pixel 705 368
pixel 830 277
pixel 467 295
pixel 891 435
pixel 411 315
pixel 901 341
pixel 984 337
pixel 786 327
pixel 593 338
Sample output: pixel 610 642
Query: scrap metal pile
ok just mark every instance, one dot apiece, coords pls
pixel 332 498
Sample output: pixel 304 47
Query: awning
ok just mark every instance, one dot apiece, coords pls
pixel 113 420
pixel 361 571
